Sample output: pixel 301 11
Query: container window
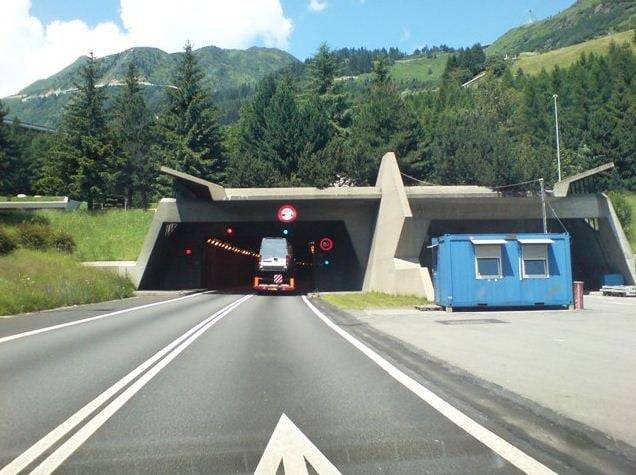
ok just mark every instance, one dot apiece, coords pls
pixel 488 261
pixel 534 262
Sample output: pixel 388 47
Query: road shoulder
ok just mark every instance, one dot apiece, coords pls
pixel 14 324
pixel 519 420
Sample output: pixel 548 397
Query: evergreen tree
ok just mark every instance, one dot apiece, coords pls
pixel 383 122
pixel 7 151
pixel 82 164
pixel 190 138
pixel 131 127
pixel 325 93
pixel 270 135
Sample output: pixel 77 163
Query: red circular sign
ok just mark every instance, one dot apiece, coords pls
pixel 287 214
pixel 326 244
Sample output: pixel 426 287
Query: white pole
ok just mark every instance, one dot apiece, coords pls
pixel 556 125
pixel 543 213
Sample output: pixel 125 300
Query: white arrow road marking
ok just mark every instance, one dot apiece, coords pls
pixel 159 360
pixel 506 450
pixel 290 445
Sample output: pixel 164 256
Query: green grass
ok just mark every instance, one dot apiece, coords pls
pixel 416 68
pixel 631 199
pixel 532 63
pixel 366 300
pixel 113 235
pixel 35 280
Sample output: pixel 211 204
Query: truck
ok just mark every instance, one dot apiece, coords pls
pixel 275 268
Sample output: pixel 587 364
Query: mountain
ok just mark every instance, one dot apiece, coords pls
pixel 229 73
pixel 584 20
pixel 533 63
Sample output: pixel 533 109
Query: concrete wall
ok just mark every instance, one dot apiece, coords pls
pixel 389 225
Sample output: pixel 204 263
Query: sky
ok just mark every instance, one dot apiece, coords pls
pixel 40 37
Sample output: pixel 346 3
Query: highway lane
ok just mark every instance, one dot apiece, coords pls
pixel 47 377
pixel 213 407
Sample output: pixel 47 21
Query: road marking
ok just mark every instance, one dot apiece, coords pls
pixel 96 317
pixel 491 440
pixel 45 443
pixel 289 445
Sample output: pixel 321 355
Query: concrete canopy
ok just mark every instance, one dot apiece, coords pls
pixel 388 226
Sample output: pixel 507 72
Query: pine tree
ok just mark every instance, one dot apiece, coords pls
pixel 6 151
pixel 383 122
pixel 270 135
pixel 325 92
pixel 82 164
pixel 131 127
pixel 190 135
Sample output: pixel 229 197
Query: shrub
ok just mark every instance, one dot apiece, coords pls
pixel 63 242
pixel 623 210
pixel 7 242
pixel 35 236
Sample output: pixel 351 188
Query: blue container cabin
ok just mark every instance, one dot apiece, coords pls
pixel 502 270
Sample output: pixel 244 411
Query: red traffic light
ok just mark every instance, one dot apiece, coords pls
pixel 187 251
pixel 326 244
pixel 229 230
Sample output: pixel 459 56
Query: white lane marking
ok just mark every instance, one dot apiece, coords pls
pixel 53 461
pixel 290 445
pixel 506 450
pixel 96 317
pixel 46 442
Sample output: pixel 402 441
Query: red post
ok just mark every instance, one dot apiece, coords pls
pixel 577 290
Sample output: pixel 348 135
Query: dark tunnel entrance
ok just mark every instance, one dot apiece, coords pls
pixel 223 256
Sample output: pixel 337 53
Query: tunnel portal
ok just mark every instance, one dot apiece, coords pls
pixel 223 255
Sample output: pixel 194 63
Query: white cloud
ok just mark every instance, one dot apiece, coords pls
pixel 317 5
pixel 30 50
pixel 406 34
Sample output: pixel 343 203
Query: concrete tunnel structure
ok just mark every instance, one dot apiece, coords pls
pixel 380 232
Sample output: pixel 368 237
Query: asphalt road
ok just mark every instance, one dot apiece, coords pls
pixel 211 398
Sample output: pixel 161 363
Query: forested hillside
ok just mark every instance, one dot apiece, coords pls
pixel 303 127
pixel 584 20
pixel 261 118
pixel 229 74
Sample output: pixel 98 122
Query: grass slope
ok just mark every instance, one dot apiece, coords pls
pixel 584 20
pixel 113 235
pixel 364 300
pixel 34 280
pixel 563 57
pixel 426 70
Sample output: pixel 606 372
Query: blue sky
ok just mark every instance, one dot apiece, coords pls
pixel 371 23
pixel 40 37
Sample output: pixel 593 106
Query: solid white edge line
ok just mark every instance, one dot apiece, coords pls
pixel 96 317
pixel 54 460
pixel 512 454
pixel 46 442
